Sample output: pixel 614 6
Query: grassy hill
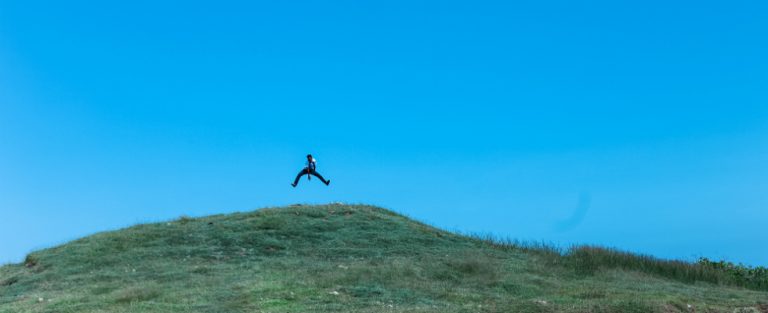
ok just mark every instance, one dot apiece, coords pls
pixel 352 258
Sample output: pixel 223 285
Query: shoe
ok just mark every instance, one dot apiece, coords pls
pixel 327 182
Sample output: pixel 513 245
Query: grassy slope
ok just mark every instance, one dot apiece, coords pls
pixel 333 258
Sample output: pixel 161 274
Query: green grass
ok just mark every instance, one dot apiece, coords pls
pixel 355 258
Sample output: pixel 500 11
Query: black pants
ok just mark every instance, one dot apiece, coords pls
pixel 306 171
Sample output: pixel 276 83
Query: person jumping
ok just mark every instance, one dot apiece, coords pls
pixel 310 170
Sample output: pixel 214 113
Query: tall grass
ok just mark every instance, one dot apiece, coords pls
pixel 588 260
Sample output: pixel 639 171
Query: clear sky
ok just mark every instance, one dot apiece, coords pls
pixel 641 125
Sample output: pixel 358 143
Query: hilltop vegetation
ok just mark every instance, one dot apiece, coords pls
pixel 351 258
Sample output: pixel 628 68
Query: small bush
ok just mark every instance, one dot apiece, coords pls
pixel 31 261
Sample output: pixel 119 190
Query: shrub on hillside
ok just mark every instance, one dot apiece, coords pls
pixel 756 277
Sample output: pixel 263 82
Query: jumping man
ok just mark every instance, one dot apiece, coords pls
pixel 310 170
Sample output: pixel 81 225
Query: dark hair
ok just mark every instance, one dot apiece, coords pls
pixel 309 155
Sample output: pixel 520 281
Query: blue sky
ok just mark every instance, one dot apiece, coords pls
pixel 642 126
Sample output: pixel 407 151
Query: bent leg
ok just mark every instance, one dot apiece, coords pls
pixel 316 174
pixel 302 173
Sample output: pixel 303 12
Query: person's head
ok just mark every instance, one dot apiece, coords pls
pixel 309 157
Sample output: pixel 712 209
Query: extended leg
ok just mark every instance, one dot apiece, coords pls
pixel 316 174
pixel 302 173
